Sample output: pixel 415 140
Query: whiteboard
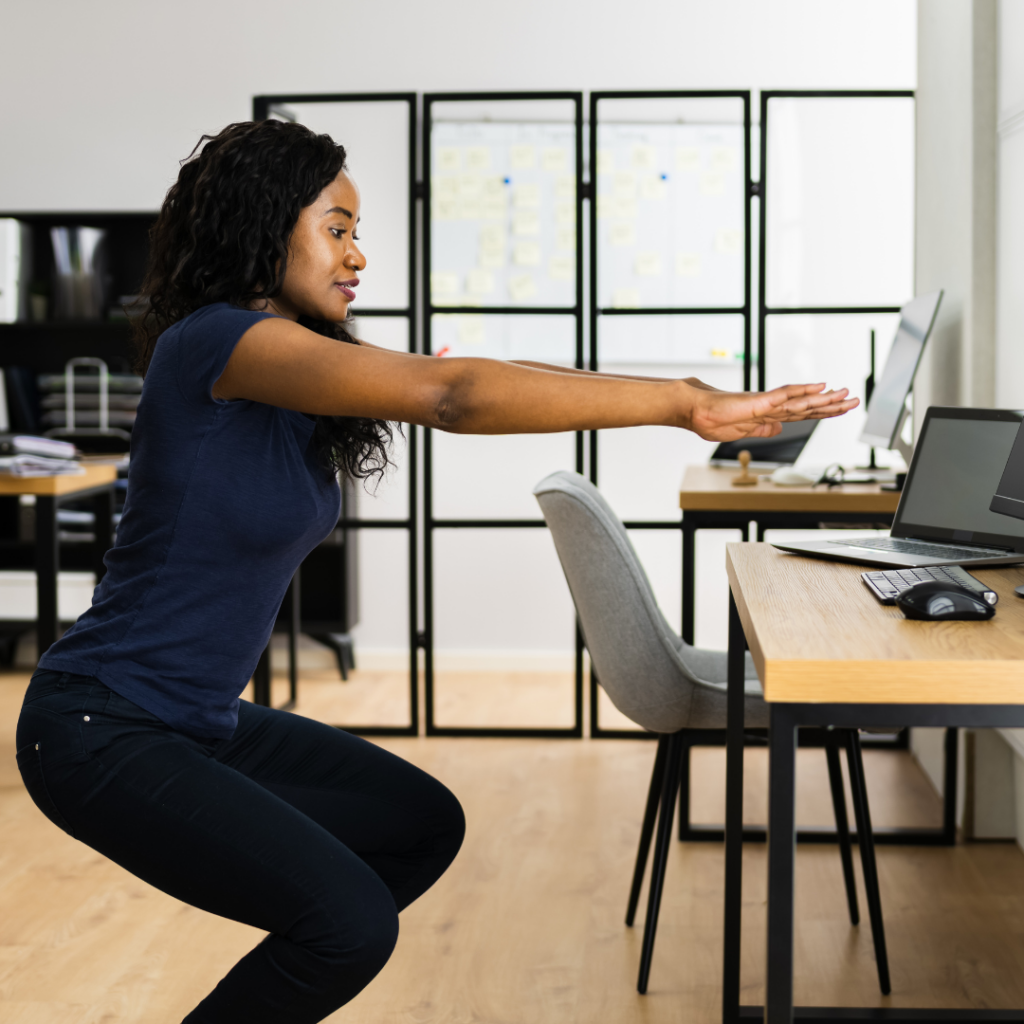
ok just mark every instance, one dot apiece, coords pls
pixel 503 214
pixel 670 215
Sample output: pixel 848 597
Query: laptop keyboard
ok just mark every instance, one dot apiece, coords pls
pixel 887 585
pixel 919 547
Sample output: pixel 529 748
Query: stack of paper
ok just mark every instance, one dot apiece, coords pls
pixel 37 465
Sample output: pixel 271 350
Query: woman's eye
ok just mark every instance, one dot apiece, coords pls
pixel 355 238
pixel 337 232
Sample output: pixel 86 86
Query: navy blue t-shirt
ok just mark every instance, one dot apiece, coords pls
pixel 225 500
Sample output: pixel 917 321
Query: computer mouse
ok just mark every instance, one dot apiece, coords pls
pixel 787 476
pixel 937 600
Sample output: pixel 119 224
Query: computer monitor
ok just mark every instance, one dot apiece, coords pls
pixel 1009 497
pixel 767 452
pixel 887 408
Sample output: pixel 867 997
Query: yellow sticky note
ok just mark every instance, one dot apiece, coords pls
pixel 471 330
pixel 643 157
pixel 526 195
pixel 626 298
pixel 556 158
pixel 525 222
pixel 479 282
pixel 493 186
pixel 722 158
pixel 565 187
pixel 687 264
pixel 445 187
pixel 478 158
pixel 647 264
pixel 712 184
pixel 653 188
pixel 605 161
pixel 622 233
pixel 521 287
pixel 522 157
pixel 561 268
pixel 720 353
pixel 471 208
pixel 491 257
pixel 728 241
pixel 445 209
pixel 526 254
pixel 493 207
pixel 448 158
pixel 471 186
pixel 687 158
pixel 624 185
pixel 565 215
pixel 492 234
pixel 444 283
pixel 622 209
pixel 565 238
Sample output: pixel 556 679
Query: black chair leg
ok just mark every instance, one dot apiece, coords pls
pixel 663 843
pixel 650 816
pixel 867 855
pixel 835 778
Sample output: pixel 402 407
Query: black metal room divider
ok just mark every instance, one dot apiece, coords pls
pixel 599 310
pixel 433 306
pixel 267 106
pixel 580 299
pixel 764 310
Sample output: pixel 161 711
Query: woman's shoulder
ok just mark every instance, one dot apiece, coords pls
pixel 197 347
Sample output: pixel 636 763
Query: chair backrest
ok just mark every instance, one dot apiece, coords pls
pixel 639 659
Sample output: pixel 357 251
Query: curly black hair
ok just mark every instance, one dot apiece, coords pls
pixel 222 236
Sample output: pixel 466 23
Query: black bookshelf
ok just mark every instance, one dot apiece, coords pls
pixel 45 346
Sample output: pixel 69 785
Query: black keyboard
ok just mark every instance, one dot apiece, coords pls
pixel 920 547
pixel 887 585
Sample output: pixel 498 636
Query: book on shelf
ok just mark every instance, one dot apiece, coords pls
pixel 15 269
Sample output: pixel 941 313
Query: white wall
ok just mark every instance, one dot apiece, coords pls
pixel 105 99
pixel 1010 230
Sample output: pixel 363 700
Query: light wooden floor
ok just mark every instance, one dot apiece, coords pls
pixel 526 928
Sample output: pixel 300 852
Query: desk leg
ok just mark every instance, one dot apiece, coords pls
pixel 689 576
pixel 261 680
pixel 733 821
pixel 781 865
pixel 294 629
pixel 103 530
pixel 949 788
pixel 47 564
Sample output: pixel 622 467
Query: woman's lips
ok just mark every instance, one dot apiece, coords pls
pixel 347 289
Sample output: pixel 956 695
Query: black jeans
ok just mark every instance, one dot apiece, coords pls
pixel 306 832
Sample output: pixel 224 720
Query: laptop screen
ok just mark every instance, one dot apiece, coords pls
pixel 783 448
pixel 956 467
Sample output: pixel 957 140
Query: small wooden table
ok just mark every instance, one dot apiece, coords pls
pixel 710 502
pixel 96 482
pixel 828 653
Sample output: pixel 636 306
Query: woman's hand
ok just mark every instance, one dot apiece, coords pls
pixel 728 416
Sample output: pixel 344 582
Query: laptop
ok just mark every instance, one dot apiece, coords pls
pixel 767 452
pixel 943 516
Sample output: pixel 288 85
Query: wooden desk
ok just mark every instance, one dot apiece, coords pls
pixel 96 482
pixel 709 501
pixel 828 653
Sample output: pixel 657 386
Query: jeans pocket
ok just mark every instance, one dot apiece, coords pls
pixel 30 764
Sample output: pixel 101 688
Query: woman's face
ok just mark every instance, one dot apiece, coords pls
pixel 323 258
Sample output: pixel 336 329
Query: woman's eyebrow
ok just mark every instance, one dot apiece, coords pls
pixel 338 209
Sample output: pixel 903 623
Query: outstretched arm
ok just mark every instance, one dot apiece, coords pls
pixel 281 363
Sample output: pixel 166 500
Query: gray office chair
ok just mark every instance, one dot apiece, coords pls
pixel 663 684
